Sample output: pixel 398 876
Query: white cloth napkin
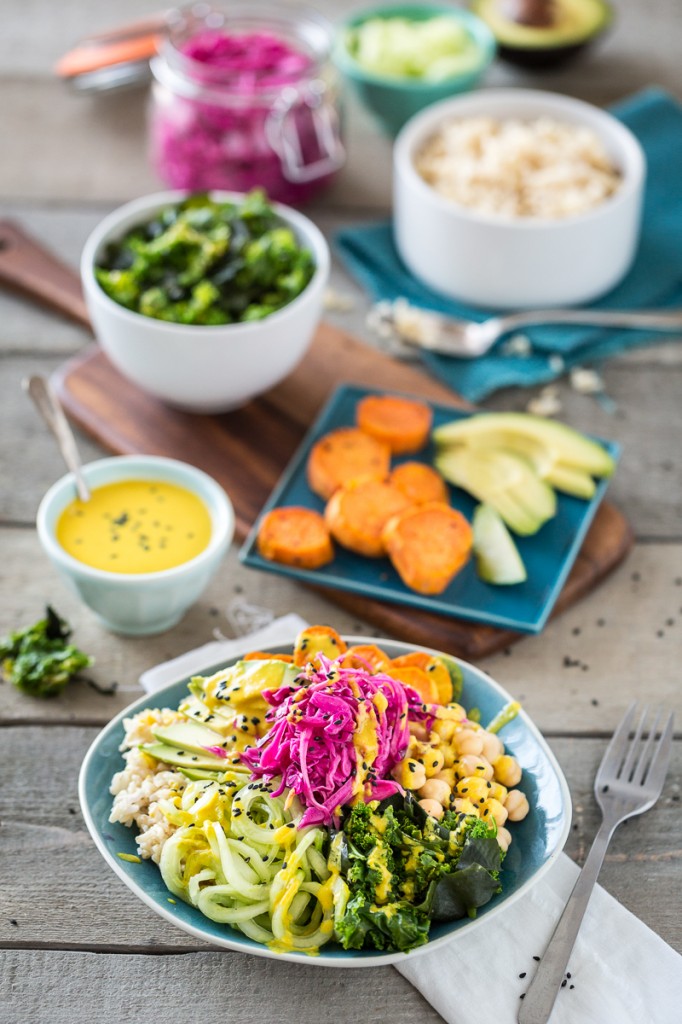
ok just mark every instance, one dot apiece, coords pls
pixel 280 630
pixel 621 971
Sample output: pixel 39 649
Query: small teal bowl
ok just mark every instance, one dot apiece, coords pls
pixel 537 840
pixel 393 101
pixel 139 604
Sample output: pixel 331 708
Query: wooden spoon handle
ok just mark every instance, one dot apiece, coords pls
pixel 26 267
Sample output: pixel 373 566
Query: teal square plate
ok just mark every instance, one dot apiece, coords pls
pixel 525 607
pixel 536 841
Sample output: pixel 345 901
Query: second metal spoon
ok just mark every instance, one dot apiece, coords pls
pixel 47 404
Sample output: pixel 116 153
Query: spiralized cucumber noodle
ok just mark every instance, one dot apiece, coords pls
pixel 239 857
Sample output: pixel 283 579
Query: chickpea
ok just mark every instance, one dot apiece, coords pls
pixel 464 806
pixel 418 730
pixel 432 807
pixel 444 728
pixel 446 775
pixel 492 808
pixel 452 712
pixel 493 747
pixel 498 792
pixel 516 805
pixel 466 741
pixel 433 762
pixel 474 788
pixel 410 774
pixel 436 789
pixel 448 756
pixel 503 838
pixel 507 770
pixel 473 764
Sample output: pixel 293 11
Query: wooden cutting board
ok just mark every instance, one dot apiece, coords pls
pixel 247 450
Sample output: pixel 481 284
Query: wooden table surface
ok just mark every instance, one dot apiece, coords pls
pixel 77 946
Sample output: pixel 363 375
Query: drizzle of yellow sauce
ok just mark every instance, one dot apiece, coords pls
pixel 135 526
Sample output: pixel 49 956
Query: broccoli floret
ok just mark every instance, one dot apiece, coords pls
pixel 39 660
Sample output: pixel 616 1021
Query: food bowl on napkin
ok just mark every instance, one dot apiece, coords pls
pixel 464 233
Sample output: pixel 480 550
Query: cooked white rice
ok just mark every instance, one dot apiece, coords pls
pixel 516 168
pixel 144 783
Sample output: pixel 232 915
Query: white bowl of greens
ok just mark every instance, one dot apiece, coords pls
pixel 205 301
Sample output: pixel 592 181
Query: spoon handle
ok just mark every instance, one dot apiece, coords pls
pixel 47 404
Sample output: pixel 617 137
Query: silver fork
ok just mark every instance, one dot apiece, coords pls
pixel 451 337
pixel 629 782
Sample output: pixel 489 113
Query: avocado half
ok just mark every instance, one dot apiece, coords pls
pixel 543 33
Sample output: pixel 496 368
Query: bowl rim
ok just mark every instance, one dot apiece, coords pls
pixel 422 124
pixel 476 28
pixel 354 960
pixel 106 231
pixel 221 511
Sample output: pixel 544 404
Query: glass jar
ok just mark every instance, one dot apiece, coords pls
pixel 243 98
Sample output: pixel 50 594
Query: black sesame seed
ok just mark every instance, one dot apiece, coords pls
pixel 522 974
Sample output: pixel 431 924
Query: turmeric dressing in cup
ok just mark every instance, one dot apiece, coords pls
pixel 135 526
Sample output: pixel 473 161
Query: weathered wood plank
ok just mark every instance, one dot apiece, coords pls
pixel 617 640
pixel 79 988
pixel 48 903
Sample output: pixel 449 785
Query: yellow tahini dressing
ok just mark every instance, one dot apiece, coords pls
pixel 135 526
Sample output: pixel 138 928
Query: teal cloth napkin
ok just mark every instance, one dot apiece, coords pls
pixel 654 281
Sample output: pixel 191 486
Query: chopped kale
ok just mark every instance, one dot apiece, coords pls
pixel 207 262
pixel 404 869
pixel 39 660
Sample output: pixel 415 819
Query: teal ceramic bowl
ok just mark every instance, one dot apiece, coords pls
pixel 139 604
pixel 393 101
pixel 537 840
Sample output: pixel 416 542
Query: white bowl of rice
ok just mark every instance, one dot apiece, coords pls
pixel 517 198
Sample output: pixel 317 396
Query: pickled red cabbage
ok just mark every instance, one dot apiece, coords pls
pixel 335 739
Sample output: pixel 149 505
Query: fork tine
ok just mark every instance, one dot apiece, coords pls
pixel 626 770
pixel 613 755
pixel 644 761
pixel 660 758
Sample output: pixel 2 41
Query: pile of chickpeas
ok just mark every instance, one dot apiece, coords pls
pixel 460 766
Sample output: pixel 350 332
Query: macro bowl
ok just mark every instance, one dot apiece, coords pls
pixel 538 839
pixel 202 368
pixel 495 262
pixel 139 604
pixel 393 100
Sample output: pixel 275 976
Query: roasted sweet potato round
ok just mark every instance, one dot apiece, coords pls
pixel 344 455
pixel 295 536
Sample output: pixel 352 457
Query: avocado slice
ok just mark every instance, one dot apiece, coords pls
pixel 183 758
pixel 502 479
pixel 189 736
pixel 571 481
pixel 515 430
pixel 537 33
pixel 202 775
pixel 196 711
pixel 497 557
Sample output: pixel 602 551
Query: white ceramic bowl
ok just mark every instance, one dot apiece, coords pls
pixel 142 603
pixel 201 368
pixel 488 261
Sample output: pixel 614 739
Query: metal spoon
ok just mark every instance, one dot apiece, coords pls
pixel 47 404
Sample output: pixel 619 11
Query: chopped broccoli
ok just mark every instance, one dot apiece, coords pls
pixel 39 660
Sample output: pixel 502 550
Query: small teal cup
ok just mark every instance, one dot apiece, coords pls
pixel 139 604
pixel 393 100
